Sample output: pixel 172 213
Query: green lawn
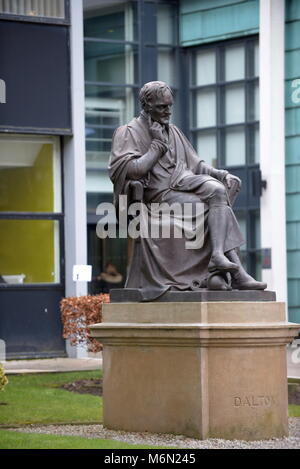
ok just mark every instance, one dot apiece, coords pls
pixel 37 399
pixel 32 399
pixel 15 440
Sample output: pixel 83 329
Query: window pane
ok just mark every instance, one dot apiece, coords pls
pixel 98 147
pixel 206 109
pixel 165 66
pixel 165 24
pixel 256 146
pixel 235 147
pixel 111 63
pixel 20 259
pixel 114 104
pixel 205 69
pixel 241 218
pixel 29 176
pixel 117 23
pixel 235 104
pixel 39 8
pixel 253 102
pixel 234 63
pixel 207 147
pixel 256 60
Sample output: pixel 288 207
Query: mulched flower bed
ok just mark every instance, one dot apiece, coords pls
pixel 85 386
pixel 94 387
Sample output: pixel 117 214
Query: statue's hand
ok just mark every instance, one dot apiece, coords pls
pixel 156 132
pixel 230 178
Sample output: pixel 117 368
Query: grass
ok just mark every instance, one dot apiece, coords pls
pixel 294 410
pixel 37 399
pixel 15 440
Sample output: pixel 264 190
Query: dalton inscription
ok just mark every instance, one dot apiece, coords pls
pixel 254 401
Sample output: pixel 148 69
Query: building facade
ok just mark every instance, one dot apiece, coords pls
pixel 233 67
pixel 70 74
pixel 42 171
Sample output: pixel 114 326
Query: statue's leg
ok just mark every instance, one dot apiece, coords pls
pixel 218 227
pixel 241 280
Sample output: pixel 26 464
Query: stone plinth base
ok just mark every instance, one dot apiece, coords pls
pixel 204 370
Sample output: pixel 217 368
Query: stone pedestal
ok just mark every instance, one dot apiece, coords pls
pixel 204 370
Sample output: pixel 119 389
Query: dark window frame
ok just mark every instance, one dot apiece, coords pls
pixel 250 207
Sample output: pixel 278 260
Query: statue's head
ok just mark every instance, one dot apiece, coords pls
pixel 156 98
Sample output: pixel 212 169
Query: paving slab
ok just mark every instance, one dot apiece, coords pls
pixel 52 365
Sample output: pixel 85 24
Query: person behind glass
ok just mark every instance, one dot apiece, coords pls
pixel 109 279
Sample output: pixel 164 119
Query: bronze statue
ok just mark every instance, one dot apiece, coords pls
pixel 157 154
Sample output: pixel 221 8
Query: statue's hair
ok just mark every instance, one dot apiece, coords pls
pixel 151 90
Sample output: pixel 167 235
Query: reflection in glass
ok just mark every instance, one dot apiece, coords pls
pixel 207 147
pixel 205 67
pixel 40 8
pixel 109 62
pixel 114 104
pixel 234 63
pixel 116 23
pixel 19 262
pixel 235 147
pixel 235 104
pixel 206 108
pixel 29 176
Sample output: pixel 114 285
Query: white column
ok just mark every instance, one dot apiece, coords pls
pixel 272 142
pixel 74 168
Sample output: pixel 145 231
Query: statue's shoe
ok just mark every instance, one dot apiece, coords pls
pixel 240 282
pixel 222 264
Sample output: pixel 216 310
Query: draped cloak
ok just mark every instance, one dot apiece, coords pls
pixel 161 264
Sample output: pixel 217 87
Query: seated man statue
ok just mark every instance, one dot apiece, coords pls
pixel 151 150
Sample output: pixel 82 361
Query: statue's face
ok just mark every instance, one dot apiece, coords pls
pixel 160 108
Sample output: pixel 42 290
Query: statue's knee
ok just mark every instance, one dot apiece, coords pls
pixel 219 193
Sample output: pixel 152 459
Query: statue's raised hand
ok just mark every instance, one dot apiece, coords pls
pixel 156 132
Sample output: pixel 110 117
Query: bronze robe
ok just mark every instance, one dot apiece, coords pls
pixel 161 264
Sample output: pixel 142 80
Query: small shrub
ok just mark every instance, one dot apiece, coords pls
pixel 3 379
pixel 77 314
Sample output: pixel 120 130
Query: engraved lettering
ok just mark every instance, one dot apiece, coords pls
pixel 253 401
pixel 237 402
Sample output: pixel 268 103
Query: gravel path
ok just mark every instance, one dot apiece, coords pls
pixel 97 431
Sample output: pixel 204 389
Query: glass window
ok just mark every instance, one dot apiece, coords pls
pixel 205 67
pixel 165 24
pixel 206 108
pixel 30 209
pixel 34 8
pixel 109 62
pixel 29 251
pixel 32 166
pixel 235 63
pixel 207 147
pixel 110 104
pixel 166 66
pixel 117 22
pixel 231 110
pixel 256 60
pixel 235 147
pixel 235 104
